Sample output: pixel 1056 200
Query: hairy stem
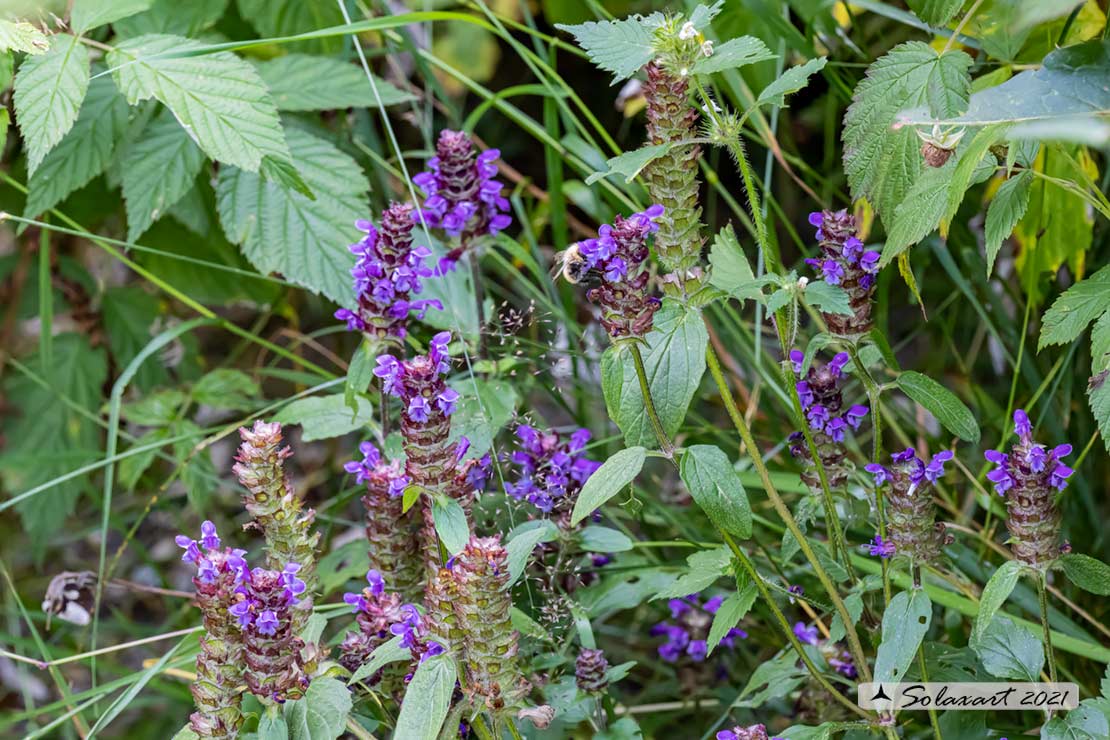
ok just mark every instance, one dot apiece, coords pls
pixel 1042 594
pixel 641 373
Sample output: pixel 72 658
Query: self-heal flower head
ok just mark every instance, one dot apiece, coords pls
pixel 462 195
pixel 552 468
pixel 376 610
pixel 1028 477
pixel 911 513
pixel 829 422
pixel 388 271
pixel 264 608
pixel 618 256
pixel 845 262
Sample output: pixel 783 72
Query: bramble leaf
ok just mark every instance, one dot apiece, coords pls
pixel 89 14
pixel 304 82
pixel 1075 309
pixel 159 168
pixel 630 164
pixel 49 89
pixel 1009 650
pixel 732 54
pixel 321 714
pixel 620 47
pixel 1004 213
pixel 935 12
pixel 22 36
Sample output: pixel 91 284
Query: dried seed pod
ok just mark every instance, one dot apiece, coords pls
pixel 590 671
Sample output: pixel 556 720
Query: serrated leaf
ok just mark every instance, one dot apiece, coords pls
pixel 427 699
pixel 129 312
pixel 484 409
pixel 1090 574
pixel 159 168
pixel 715 486
pixel 968 166
pixel 620 47
pixel 22 36
pixel 1076 307
pixel 596 538
pixel 905 622
pixel 732 54
pixel 935 12
pixel 450 524
pixel 226 388
pixel 218 98
pixel 519 548
pixel 84 153
pixel 703 570
pixel 920 213
pixel 630 164
pixel 1070 82
pixel 89 14
pixel 730 269
pixel 321 714
pixel 607 481
pixel 283 231
pixel 1008 650
pixel 791 81
pixel 883 162
pixel 48 92
pixel 729 614
pixel 303 82
pixel 995 593
pixel 1004 213
pixel 172 16
pixel 942 403
pixel 290 17
pixel 1085 722
pixel 272 727
pixel 1098 395
pixel 675 362
pixel 828 298
pixel 1100 344
pixel 323 417
pixel 388 652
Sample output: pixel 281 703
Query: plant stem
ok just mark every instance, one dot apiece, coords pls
pixel 784 513
pixel 478 724
pixel 1042 594
pixel 664 441
pixel 925 679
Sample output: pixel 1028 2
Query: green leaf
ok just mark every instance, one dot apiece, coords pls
pixel 155 409
pixel 485 407
pixel 1004 213
pixel 302 82
pixel 731 271
pixel 427 699
pixel 731 611
pixel 1070 82
pixel 674 360
pixel 732 54
pixel 84 152
pixel 172 16
pixel 1077 307
pixel 455 291
pixel 186 733
pixel 450 523
pixel 520 547
pixel 219 99
pixel 920 213
pixel 595 538
pixel 360 373
pixel 853 602
pixel 1100 345
pixel 345 562
pixel 290 17
pixel 388 652
pixel 158 169
pixel 883 162
pixel 272 727
pixel 1090 574
pixel 1009 651
pixel 1098 395
pixel 716 488
pixel 970 157
pixel 49 89
pixel 22 36
pixel 321 714
pixel 607 481
pixel 828 298
pixel 89 14
pixel 620 47
pixel 1085 722
pixel 705 568
pixel 935 12
pixel 994 595
pixel 226 388
pixel 791 81
pixel 905 622
pixel 46 438
pixel 323 417
pixel 281 230
pixel 630 164
pixel 949 410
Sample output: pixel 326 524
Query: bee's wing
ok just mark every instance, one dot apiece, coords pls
pixel 558 261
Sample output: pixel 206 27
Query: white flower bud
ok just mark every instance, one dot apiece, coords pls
pixel 687 31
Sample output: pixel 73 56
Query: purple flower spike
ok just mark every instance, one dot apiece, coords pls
pixel 880 549
pixel 881 474
pixel 844 261
pixel 552 468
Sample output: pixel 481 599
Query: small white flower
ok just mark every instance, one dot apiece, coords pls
pixel 716 108
pixel 802 283
pixel 707 48
pixel 684 72
pixel 687 31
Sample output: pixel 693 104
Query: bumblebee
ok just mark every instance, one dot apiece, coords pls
pixel 571 264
